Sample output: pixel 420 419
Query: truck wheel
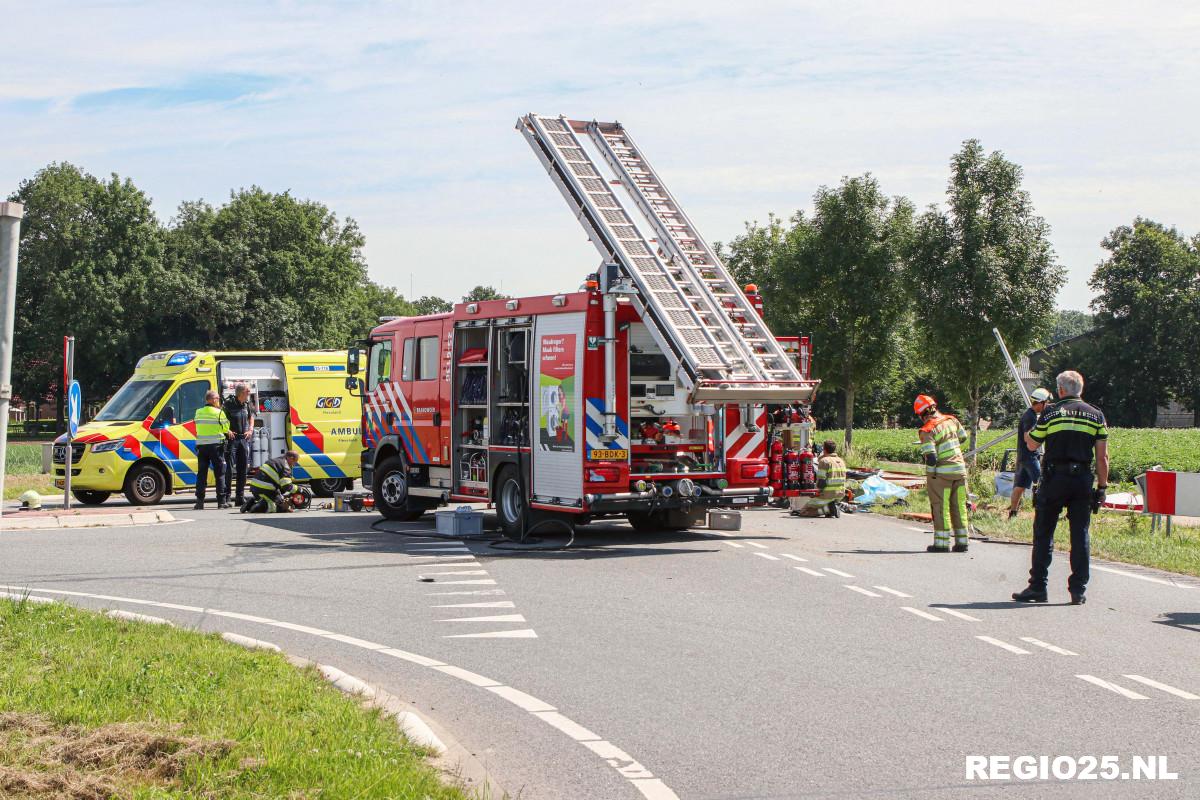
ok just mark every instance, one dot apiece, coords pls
pixel 512 508
pixel 145 485
pixel 644 521
pixel 325 487
pixel 391 492
pixel 89 497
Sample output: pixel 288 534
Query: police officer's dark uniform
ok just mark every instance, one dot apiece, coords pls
pixel 1069 430
pixel 237 449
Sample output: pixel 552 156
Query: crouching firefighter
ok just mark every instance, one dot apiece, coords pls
pixel 831 478
pixel 942 437
pixel 272 486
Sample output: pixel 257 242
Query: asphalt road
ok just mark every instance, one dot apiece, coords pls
pixel 796 658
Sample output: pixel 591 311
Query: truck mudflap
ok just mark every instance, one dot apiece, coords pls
pixel 654 500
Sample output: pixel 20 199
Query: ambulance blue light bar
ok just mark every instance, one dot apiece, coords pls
pixel 181 358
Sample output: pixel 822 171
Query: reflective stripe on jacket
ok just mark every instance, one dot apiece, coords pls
pixel 211 425
pixel 943 436
pixel 274 476
pixel 832 470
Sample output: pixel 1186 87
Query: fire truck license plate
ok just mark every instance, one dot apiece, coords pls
pixel 610 455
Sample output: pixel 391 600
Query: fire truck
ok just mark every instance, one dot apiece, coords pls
pixel 648 393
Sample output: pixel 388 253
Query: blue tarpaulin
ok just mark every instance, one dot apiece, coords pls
pixel 876 489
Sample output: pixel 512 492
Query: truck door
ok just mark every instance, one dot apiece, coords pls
pixel 429 390
pixel 173 431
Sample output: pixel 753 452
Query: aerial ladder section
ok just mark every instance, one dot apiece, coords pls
pixel 691 302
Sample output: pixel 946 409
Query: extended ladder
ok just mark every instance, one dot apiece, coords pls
pixel 693 302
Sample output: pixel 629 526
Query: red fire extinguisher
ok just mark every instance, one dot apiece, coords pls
pixel 791 470
pixel 776 461
pixel 808 472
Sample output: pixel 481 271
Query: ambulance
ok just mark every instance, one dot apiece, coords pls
pixel 143 441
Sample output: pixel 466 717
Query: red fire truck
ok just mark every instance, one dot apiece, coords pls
pixel 644 394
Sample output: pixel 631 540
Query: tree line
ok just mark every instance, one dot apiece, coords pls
pixel 263 271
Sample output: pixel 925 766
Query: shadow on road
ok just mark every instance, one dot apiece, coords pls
pixel 987 604
pixel 921 552
pixel 1186 620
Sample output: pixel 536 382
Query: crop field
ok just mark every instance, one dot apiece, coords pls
pixel 1131 450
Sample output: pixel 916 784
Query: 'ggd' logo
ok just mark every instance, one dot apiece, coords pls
pixel 329 402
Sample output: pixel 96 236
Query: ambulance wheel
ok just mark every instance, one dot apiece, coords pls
pixel 90 497
pixel 391 492
pixel 325 487
pixel 145 485
pixel 512 509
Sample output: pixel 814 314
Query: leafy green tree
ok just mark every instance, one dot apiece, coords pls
pixel 986 262
pixel 429 304
pixel 375 301
pixel 91 266
pixel 1068 324
pixel 483 293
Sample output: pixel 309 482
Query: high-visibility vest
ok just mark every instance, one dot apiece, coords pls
pixel 943 436
pixel 273 476
pixel 832 470
pixel 211 425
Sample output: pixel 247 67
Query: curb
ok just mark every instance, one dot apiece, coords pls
pixel 59 521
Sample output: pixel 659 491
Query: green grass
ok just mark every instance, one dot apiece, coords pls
pixel 23 459
pixel 1131 450
pixel 292 734
pixel 16 485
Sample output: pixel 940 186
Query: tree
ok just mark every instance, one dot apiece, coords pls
pixel 483 293
pixel 432 305
pixel 1068 324
pixel 90 265
pixel 986 262
pixel 374 302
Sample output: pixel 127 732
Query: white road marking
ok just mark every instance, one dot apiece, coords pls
pixel 525 633
pixel 459 572
pixel 1012 648
pixel 635 773
pixel 567 726
pixel 1112 687
pixel 767 556
pixel 496 604
pixel 792 557
pixel 469 592
pixel 892 591
pixel 477 581
pixel 861 590
pixel 1143 577
pixel 759 546
pixel 922 614
pixel 130 616
pixel 363 643
pixel 445 550
pixel 1062 651
pixel 492 618
pixel 731 544
pixel 521 700
pixel 918 530
pixel 468 676
pixel 1164 687
pixel 837 572
pixel 812 572
pixel 958 614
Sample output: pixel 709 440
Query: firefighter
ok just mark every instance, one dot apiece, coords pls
pixel 237 449
pixel 1071 431
pixel 831 478
pixel 942 437
pixel 1028 470
pixel 271 486
pixel 212 431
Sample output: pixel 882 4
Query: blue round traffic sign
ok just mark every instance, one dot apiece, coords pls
pixel 74 407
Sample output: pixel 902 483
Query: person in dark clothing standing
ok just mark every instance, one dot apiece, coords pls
pixel 1029 467
pixel 1071 431
pixel 237 449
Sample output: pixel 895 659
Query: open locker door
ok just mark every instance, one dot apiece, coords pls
pixel 557 425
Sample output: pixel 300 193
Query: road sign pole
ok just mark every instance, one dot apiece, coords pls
pixel 68 382
pixel 10 237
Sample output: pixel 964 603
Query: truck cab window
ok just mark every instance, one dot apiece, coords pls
pixel 182 405
pixel 379 365
pixel 428 367
pixel 406 369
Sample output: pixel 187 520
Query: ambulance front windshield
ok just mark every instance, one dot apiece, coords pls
pixel 134 401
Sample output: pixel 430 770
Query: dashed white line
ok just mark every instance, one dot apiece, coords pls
pixel 459 572
pixel 731 544
pixel 922 614
pixel 495 604
pixel 767 556
pixel 958 614
pixel 837 572
pixel 759 546
pixel 1062 651
pixel 1112 687
pixel 526 633
pixel 793 557
pixel 861 590
pixel 918 530
pixel 491 618
pixel 812 572
pixel 1162 687
pixel 892 591
pixel 469 592
pixel 1143 577
pixel 477 581
pixel 1012 648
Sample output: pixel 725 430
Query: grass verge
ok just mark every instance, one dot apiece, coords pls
pixel 16 485
pixel 92 707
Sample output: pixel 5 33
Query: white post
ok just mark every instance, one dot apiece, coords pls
pixel 10 238
pixel 1012 367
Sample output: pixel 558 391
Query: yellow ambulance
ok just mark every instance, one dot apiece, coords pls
pixel 143 442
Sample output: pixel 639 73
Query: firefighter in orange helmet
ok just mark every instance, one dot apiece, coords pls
pixel 942 437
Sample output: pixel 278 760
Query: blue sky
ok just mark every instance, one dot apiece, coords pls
pixel 401 114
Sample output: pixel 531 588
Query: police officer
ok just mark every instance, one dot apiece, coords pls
pixel 271 485
pixel 237 449
pixel 831 478
pixel 212 430
pixel 1028 470
pixel 1071 431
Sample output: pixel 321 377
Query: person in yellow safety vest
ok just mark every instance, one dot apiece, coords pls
pixel 942 437
pixel 271 485
pixel 831 479
pixel 212 429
